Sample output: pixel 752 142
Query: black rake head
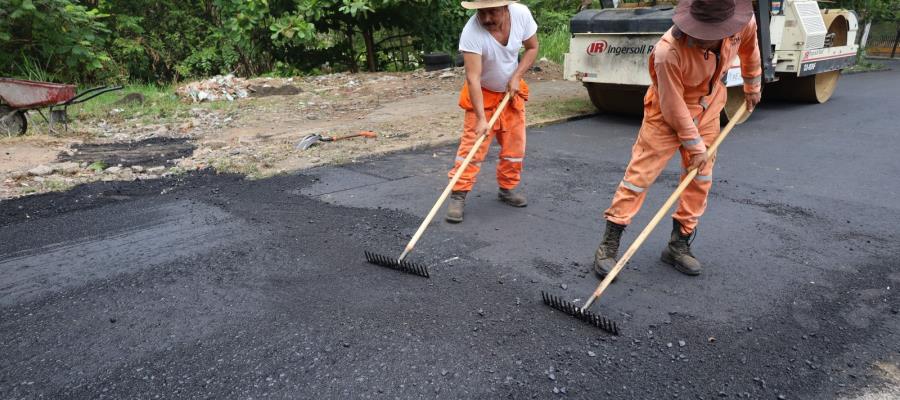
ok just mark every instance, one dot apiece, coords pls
pixel 584 315
pixel 402 266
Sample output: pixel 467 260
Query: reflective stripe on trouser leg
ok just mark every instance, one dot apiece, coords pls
pixel 649 155
pixel 512 148
pixel 468 178
pixel 692 203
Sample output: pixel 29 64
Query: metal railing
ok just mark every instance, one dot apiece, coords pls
pixel 883 45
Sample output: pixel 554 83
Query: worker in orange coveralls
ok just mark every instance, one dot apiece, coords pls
pixel 681 112
pixel 490 43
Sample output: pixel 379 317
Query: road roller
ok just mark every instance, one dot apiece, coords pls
pixel 803 50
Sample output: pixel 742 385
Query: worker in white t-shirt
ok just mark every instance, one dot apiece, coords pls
pixel 490 43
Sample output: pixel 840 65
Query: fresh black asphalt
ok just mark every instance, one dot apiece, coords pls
pixel 210 286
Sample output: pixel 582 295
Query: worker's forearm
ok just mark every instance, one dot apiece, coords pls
pixel 527 61
pixel 475 95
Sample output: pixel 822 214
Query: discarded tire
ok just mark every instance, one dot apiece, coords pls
pixel 436 61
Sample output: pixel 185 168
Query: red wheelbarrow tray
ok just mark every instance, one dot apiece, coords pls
pixel 23 94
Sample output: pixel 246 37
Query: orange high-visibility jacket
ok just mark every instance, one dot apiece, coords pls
pixel 688 89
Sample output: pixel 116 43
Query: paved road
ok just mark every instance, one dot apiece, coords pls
pixel 207 286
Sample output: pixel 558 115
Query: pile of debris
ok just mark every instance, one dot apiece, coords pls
pixel 219 87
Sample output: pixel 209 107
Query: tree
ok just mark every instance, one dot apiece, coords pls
pixel 312 18
pixel 51 38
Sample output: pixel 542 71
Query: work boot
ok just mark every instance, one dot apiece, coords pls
pixel 455 208
pixel 512 198
pixel 608 251
pixel 678 253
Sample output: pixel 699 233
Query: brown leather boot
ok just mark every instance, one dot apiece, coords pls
pixel 455 207
pixel 605 257
pixel 678 253
pixel 512 198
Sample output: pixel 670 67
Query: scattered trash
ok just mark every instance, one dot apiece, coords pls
pixel 219 87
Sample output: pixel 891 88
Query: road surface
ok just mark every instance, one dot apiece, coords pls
pixel 209 286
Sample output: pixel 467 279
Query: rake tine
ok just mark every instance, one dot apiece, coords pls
pixel 581 314
pixel 402 266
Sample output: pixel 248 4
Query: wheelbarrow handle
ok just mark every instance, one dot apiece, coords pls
pixel 94 92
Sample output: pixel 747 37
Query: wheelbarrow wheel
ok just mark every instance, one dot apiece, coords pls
pixel 12 123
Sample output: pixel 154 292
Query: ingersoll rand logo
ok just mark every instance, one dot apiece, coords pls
pixel 601 46
pixel 597 47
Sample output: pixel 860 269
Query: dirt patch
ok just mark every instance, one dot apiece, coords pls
pixel 149 152
pixel 264 91
pixel 23 153
pixel 257 136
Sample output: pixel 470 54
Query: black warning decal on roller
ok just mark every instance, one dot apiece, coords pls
pixel 812 66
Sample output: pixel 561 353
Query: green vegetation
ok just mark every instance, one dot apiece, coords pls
pixel 57 185
pixel 864 65
pixel 160 102
pixel 97 166
pixel 165 41
pixel 162 41
pixel 565 108
pixel 554 45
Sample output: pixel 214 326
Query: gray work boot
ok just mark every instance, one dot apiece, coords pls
pixel 455 208
pixel 605 257
pixel 678 253
pixel 512 198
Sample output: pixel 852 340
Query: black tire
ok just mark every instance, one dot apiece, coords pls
pixel 437 61
pixel 436 67
pixel 13 125
pixel 617 99
pixel 437 58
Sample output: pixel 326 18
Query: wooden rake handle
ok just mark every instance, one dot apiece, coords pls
pixel 459 172
pixel 710 153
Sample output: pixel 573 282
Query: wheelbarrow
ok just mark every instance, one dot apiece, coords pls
pixel 18 96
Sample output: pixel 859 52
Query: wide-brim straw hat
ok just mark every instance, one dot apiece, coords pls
pixel 476 4
pixel 712 19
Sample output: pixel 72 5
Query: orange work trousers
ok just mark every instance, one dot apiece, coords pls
pixel 654 147
pixel 509 131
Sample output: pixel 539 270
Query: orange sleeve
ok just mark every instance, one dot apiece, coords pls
pixel 751 67
pixel 671 101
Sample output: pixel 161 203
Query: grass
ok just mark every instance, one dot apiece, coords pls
pixel 554 45
pixel 554 110
pixel 159 101
pixel 56 185
pixel 227 165
pixel 864 65
pixel 161 105
pixel 97 166
pixel 32 70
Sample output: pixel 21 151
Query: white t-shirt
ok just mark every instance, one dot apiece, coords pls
pixel 498 62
